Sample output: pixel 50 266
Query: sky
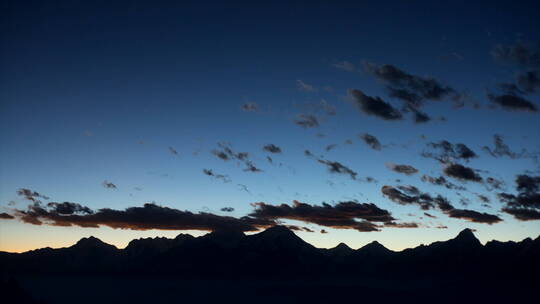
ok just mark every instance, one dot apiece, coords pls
pixel 349 122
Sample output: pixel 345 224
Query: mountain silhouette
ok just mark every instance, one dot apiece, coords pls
pixel 278 253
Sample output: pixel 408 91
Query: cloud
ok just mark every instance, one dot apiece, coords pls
pixel 224 178
pixel 512 102
pixel 307 121
pixel 6 216
pixel 31 195
pixel 405 169
pixel 473 216
pixel 344 215
pixel 323 231
pixel 518 54
pixel 408 195
pixel 272 148
pixel 411 89
pixel 67 208
pixel 150 216
pixel 371 141
pixel 308 153
pixel 441 181
pixel 401 225
pixel 336 167
pixel 461 172
pixel 524 206
pixel 227 153
pixel 302 86
pixel 500 148
pixel 523 214
pixel 429 215
pixel 374 106
pixel 330 147
pixel 444 151
pixel 109 185
pixel 227 209
pixel 529 81
pixel 250 107
pixel 345 65
pixel 173 151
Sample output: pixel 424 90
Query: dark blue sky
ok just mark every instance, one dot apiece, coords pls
pixel 95 91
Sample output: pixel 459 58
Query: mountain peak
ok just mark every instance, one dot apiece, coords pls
pixel 91 242
pixel 466 234
pixel 374 247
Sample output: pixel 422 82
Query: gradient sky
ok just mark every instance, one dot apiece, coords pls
pixel 94 91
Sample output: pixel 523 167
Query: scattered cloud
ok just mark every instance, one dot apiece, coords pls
pixel 512 102
pixel 250 107
pixel 371 141
pixel 31 195
pixel 109 185
pixel 272 148
pixel 462 173
pixel 374 106
pixel 344 215
pixel 444 151
pixel 345 65
pixel 306 121
pixel 441 181
pixel 227 209
pixel 302 86
pixel 404 169
pixel 150 216
pixel 222 177
pixel 336 167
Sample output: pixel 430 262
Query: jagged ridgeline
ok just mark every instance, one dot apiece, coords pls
pixel 278 253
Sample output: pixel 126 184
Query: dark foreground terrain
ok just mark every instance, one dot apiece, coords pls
pixel 274 266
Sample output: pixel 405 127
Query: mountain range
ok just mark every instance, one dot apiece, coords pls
pixel 277 254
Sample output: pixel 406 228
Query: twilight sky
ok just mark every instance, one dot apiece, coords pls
pixel 390 121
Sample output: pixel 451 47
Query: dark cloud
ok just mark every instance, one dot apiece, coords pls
pixel 330 147
pixel 529 81
pixel 441 181
pixel 492 183
pixel 518 54
pixel 483 198
pixel 374 106
pixel 405 169
pixel 227 209
pixel 401 225
pixel 150 216
pixel 173 151
pixel 109 185
pixel 307 121
pixel 226 152
pixel 31 195
pixel 222 177
pixel 444 151
pixel 344 215
pixel 308 153
pixel 272 148
pixel 500 148
pixel 512 102
pixel 408 195
pixel 323 231
pixel 524 206
pixel 67 208
pixel 336 167
pixel 461 172
pixel 6 216
pixel 250 107
pixel 429 215
pixel 523 214
pixel 474 216
pixel 412 89
pixel 371 141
